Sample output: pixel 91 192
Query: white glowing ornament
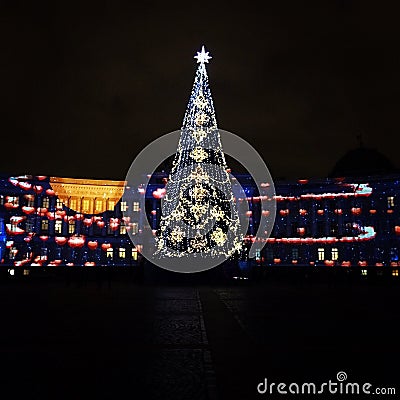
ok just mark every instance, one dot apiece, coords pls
pixel 202 57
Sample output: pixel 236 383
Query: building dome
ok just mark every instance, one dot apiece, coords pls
pixel 362 161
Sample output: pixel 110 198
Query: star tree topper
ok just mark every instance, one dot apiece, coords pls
pixel 202 57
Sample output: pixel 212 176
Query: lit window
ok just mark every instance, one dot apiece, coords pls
pixel 1 200
pixel 390 201
pixel 364 272
pixel 122 229
pixel 26 272
pixel 121 252
pixel 45 202
pixel 135 227
pixel 321 254
pixel 135 206
pixel 85 205
pixel 72 204
pixel 258 255
pixel 335 253
pixel 99 205
pixel 111 204
pixel 59 203
pixel 13 227
pixel 58 226
pixel 134 254
pixel 395 272
pixel 71 227
pixel 31 200
pixel 45 225
pixel 110 252
pixel 124 206
pixel 13 200
pixel 13 253
pixel 295 254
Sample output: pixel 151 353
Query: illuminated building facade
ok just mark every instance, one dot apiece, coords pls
pixel 326 222
pixel 62 221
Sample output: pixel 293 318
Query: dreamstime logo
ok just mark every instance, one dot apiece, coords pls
pixel 341 376
pixel 340 386
pixel 138 180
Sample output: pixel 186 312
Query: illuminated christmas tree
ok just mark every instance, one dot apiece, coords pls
pixel 199 214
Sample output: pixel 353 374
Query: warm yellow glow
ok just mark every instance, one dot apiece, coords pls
pixel 90 196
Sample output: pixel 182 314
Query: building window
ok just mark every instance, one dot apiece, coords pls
pixel 58 254
pixel 335 254
pixel 29 226
pixel 134 254
pixel 321 254
pixel 59 204
pixel 43 253
pixel 349 229
pixel 258 255
pixel 135 227
pixel 269 254
pixel 135 206
pixel 122 229
pixel 13 200
pixel 333 229
pixel 13 253
pixel 71 227
pixel 390 201
pixel 45 202
pixel 121 252
pixel 45 225
pixel 295 254
pixel 72 204
pixel 294 229
pixel 379 253
pixel 111 205
pixel 364 272
pixel 58 226
pixel 30 200
pixel 13 227
pixel 85 205
pixel 395 272
pixel 1 200
pixel 394 256
pixel 321 229
pixel 124 206
pixel 99 205
pixel 110 252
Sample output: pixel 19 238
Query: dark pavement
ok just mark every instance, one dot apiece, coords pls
pixel 83 340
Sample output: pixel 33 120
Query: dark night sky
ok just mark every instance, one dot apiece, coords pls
pixel 85 88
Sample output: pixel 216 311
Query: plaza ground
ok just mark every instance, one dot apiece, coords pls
pixel 114 339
